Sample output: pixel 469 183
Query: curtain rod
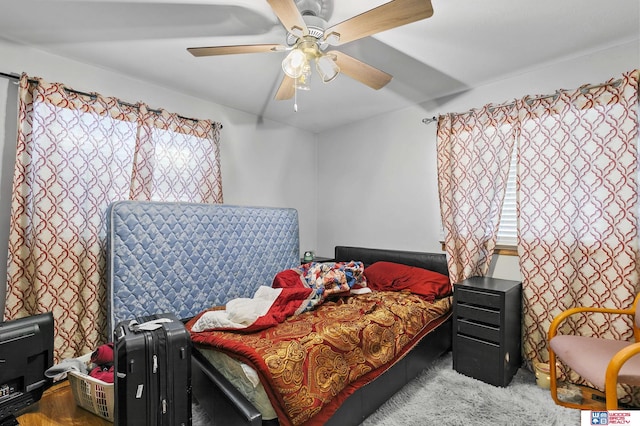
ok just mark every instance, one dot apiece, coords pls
pixel 16 77
pixel 583 90
pixel 11 76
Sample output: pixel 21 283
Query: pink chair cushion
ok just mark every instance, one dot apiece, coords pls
pixel 589 357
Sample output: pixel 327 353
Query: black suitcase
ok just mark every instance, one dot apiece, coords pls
pixel 153 372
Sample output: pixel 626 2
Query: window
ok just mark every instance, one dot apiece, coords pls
pixel 508 229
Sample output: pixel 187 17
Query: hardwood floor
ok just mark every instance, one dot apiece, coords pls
pixel 58 408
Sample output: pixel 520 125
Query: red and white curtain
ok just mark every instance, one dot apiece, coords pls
pixel 474 152
pixel 577 198
pixel 77 153
pixel 578 209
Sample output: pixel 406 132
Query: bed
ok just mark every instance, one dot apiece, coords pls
pixel 185 258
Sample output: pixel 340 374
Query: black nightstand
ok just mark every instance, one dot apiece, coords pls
pixel 486 329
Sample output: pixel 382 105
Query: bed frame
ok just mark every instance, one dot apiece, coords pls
pixel 183 258
pixel 227 406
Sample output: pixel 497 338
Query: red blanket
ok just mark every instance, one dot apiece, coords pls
pixel 293 292
pixel 311 362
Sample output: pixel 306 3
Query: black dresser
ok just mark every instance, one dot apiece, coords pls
pixel 486 329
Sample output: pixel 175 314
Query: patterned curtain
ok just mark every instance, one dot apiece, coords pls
pixel 578 208
pixel 77 153
pixel 474 151
pixel 164 170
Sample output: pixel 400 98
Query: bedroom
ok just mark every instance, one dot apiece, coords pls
pixel 394 150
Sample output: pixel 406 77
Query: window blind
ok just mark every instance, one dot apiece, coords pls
pixel 508 229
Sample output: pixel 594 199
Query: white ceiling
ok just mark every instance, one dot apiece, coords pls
pixel 466 43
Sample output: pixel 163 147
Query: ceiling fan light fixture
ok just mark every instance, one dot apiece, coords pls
pixel 327 68
pixel 293 65
pixel 302 82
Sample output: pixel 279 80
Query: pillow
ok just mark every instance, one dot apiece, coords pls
pixel 389 276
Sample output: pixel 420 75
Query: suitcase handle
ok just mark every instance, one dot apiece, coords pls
pixel 149 325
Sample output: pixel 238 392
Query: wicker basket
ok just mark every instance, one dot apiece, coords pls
pixel 92 394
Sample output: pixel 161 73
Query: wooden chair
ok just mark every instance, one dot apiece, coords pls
pixel 602 362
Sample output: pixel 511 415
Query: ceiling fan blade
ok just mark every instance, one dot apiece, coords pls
pixel 290 16
pixel 360 71
pixel 286 89
pixel 230 50
pixel 384 17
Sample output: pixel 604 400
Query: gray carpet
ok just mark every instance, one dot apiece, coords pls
pixel 440 396
pixel 198 415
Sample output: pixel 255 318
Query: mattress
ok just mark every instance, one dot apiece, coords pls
pixel 185 257
pixel 244 378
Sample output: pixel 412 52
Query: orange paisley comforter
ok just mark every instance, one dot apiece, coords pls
pixel 310 363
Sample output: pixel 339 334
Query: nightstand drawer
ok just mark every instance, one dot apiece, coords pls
pixel 478 359
pixel 478 297
pixel 479 330
pixel 489 316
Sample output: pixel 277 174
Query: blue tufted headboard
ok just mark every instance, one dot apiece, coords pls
pixel 184 257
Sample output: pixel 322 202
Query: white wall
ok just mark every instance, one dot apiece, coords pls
pixel 377 180
pixel 263 163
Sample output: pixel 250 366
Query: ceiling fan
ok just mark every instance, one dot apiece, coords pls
pixel 309 36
